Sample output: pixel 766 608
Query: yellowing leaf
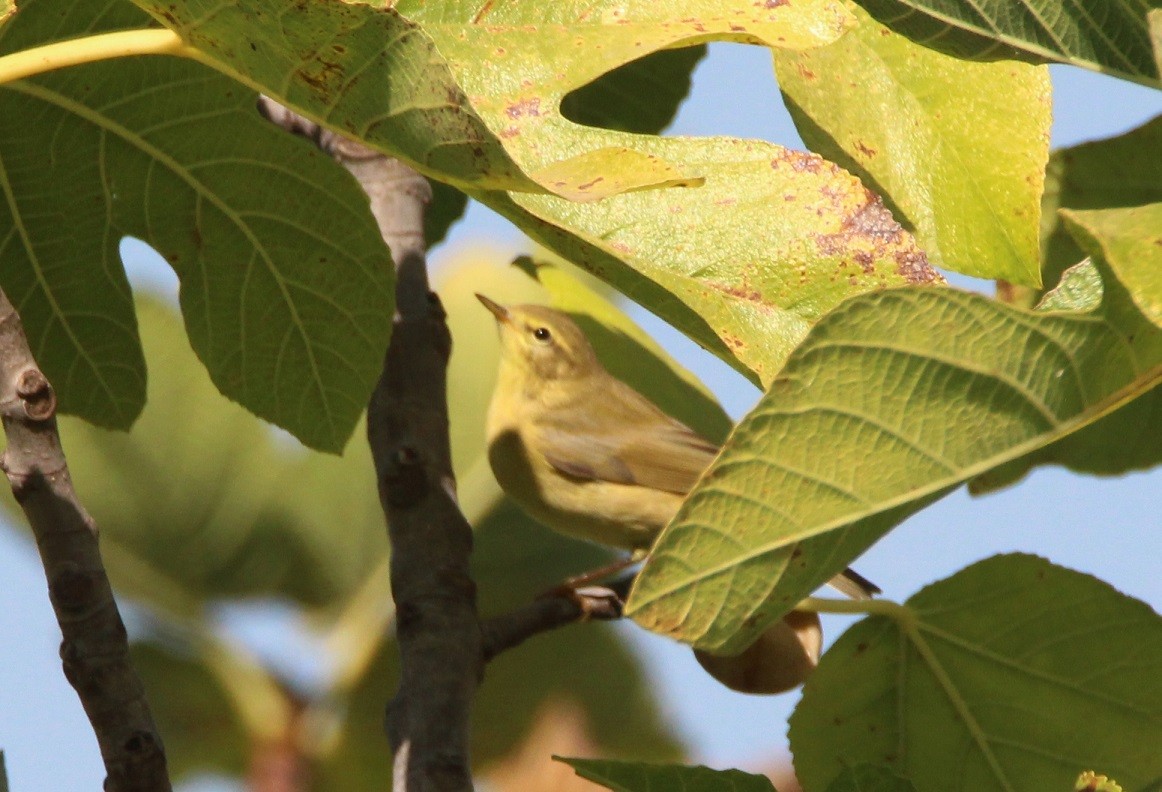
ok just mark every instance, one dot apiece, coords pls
pixel 1130 241
pixel 958 148
pixel 743 264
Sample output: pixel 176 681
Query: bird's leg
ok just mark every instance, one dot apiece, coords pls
pixel 597 601
pixel 600 573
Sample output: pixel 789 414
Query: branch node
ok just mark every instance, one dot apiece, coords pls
pixel 37 395
pixel 72 588
pixel 140 742
pixel 405 483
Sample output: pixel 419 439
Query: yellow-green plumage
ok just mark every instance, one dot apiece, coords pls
pixel 580 450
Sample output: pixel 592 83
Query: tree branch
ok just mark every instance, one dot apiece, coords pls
pixel 94 650
pixel 407 427
pixel 443 646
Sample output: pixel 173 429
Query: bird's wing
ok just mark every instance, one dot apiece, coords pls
pixel 639 445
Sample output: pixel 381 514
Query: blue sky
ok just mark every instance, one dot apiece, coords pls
pixel 1108 527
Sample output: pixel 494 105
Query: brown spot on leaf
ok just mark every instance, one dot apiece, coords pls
pixel 509 132
pixel 871 234
pixel 732 341
pixel 865 149
pixel 913 266
pixel 806 163
pixel 529 107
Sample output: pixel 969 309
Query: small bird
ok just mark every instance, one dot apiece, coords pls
pixel 581 451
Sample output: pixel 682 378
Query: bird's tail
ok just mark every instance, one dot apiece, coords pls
pixel 854 585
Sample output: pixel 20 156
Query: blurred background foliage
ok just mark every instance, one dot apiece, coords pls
pixel 202 507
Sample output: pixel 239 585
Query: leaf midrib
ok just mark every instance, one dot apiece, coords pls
pixel 1150 378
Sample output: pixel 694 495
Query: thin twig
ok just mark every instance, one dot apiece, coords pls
pixel 558 609
pixel 94 649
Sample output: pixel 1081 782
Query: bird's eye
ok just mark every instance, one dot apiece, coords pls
pixel 542 334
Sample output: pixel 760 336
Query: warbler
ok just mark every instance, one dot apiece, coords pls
pixel 583 452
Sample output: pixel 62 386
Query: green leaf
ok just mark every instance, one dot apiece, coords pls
pixel 910 392
pixel 1130 241
pixel 1110 37
pixel 642 777
pixel 1010 675
pixel 287 302
pixel 869 778
pixel 253 513
pixel 1080 290
pixel 447 206
pixel 333 61
pixel 361 70
pixel 1111 445
pixel 1117 172
pixel 203 732
pixel 961 153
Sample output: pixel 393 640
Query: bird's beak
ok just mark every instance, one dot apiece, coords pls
pixel 498 310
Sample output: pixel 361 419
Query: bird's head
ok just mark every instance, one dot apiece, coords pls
pixel 541 342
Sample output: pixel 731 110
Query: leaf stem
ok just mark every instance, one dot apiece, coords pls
pixel 870 607
pixel 88 49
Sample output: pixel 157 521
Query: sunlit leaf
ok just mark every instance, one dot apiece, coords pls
pixel 1129 240
pixel 1154 20
pixel 911 392
pixel 770 238
pixel 1009 675
pixel 1080 289
pixel 1105 174
pixel 960 155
